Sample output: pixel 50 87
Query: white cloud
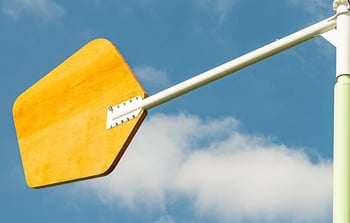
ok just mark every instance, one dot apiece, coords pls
pixel 223 174
pixel 220 7
pixel 152 76
pixel 316 8
pixel 48 10
pixel 165 219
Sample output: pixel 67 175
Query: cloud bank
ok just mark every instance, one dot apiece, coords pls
pixel 47 10
pixel 220 172
pixel 152 76
pixel 219 7
pixel 316 8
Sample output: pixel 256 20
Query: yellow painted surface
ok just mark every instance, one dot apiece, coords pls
pixel 61 120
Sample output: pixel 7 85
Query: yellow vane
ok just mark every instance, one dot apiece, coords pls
pixel 61 120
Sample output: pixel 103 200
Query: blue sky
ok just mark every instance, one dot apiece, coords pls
pixel 253 147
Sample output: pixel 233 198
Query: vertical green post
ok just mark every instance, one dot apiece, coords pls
pixel 341 170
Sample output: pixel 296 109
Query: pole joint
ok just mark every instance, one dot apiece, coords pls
pixel 123 112
pixel 337 3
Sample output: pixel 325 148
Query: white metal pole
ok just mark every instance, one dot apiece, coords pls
pixel 230 67
pixel 341 154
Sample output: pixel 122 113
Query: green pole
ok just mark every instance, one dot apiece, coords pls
pixel 341 168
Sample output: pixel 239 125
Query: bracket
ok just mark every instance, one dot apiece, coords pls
pixel 336 3
pixel 331 36
pixel 113 112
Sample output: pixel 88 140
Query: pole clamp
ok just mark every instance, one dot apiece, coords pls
pixel 336 3
pixel 113 117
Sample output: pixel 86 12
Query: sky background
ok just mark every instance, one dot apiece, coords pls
pixel 255 146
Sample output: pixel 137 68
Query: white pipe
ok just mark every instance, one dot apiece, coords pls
pixel 341 152
pixel 343 39
pixel 231 66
